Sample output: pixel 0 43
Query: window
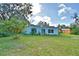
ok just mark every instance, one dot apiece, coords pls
pixel 50 31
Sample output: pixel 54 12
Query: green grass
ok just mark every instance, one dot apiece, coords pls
pixel 35 45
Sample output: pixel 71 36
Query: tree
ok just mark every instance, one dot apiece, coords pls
pixel 76 17
pixel 60 28
pixel 75 26
pixel 74 29
pixel 20 10
pixel 13 17
pixel 12 26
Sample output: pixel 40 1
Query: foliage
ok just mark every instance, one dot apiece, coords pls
pixel 76 17
pixel 13 17
pixel 62 27
pixel 20 10
pixel 12 26
pixel 74 29
pixel 75 26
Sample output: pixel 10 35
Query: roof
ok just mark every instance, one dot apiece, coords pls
pixel 43 26
pixel 66 29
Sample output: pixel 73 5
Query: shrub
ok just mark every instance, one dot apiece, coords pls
pixel 8 27
pixel 74 29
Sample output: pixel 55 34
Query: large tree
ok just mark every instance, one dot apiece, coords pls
pixel 20 10
pixel 75 26
pixel 76 17
pixel 13 17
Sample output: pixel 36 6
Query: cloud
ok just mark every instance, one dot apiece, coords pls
pixel 53 24
pixel 63 18
pixel 61 11
pixel 36 8
pixel 65 10
pixel 46 19
pixel 61 6
pixel 37 19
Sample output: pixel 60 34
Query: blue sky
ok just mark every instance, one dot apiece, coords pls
pixel 55 13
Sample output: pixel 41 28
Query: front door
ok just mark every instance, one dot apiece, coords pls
pixel 43 31
pixel 33 31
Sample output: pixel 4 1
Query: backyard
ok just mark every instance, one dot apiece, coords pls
pixel 36 45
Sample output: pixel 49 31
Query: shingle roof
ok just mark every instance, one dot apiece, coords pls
pixel 43 26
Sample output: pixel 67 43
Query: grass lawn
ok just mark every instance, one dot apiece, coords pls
pixel 35 45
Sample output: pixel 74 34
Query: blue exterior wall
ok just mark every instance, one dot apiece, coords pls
pixel 55 29
pixel 28 30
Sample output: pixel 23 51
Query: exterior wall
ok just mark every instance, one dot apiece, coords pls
pixel 28 30
pixel 66 31
pixel 55 29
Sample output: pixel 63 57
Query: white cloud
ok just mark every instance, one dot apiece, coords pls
pixel 63 18
pixel 65 10
pixel 36 8
pixel 37 19
pixel 61 6
pixel 61 11
pixel 53 24
pixel 46 19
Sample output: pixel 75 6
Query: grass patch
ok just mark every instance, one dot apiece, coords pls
pixel 35 45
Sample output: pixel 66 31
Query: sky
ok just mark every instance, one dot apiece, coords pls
pixel 54 13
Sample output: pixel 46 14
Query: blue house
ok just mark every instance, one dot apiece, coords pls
pixel 45 30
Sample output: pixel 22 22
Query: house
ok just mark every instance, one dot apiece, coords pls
pixel 41 30
pixel 66 31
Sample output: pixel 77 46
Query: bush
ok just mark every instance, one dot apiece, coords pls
pixel 8 27
pixel 74 29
